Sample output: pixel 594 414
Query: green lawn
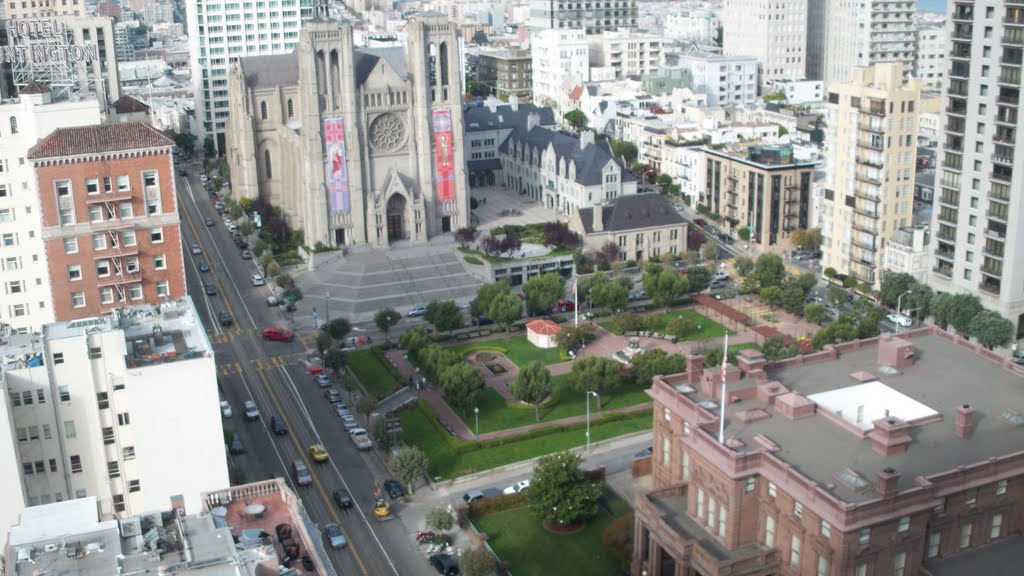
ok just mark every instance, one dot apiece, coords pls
pixel 518 538
pixel 372 374
pixel 421 429
pixel 517 348
pixel 497 414
pixel 658 323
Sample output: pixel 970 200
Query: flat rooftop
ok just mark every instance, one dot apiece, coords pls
pixel 943 377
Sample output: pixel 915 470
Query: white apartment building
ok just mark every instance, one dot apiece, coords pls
pixel 932 45
pixel 220 32
pixel 698 26
pixel 123 407
pixel 908 251
pixel 627 53
pixel 798 91
pixel 775 33
pixel 842 35
pixel 561 60
pixel 977 217
pixel 25 299
pixel 686 164
pixel 592 17
pixel 727 80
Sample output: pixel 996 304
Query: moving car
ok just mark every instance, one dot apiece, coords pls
pixel 899 320
pixel 302 475
pixel 277 334
pixel 318 453
pixel 203 178
pixel 517 487
pixel 322 380
pixel 211 290
pixel 475 495
pixel 203 266
pixel 394 489
pixel 225 319
pixel 258 280
pixel 445 565
pixel 342 498
pixel 225 409
pixel 196 249
pixel 251 411
pixel 334 536
pixel 278 426
pixel 209 222
pixel 236 447
pixel 417 311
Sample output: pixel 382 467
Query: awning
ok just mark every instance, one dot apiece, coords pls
pixel 485 164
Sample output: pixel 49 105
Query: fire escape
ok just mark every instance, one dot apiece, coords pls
pixel 125 269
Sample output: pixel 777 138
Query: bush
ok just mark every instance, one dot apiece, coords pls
pixel 630 263
pixel 617 538
pixel 473 260
pixel 496 504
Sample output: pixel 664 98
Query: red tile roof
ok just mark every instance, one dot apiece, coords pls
pixel 544 327
pixel 576 93
pixel 99 139
pixel 129 105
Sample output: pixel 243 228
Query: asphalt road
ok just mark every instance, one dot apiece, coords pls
pixel 275 376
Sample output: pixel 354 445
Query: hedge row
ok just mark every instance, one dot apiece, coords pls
pixel 496 504
pixel 463 447
pixel 482 347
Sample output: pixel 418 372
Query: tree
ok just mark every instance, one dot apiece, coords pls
pixel 806 282
pixel 771 296
pixel 209 148
pixel 918 300
pixel 466 236
pixel 831 273
pixel 663 286
pixel 585 285
pixel 440 519
pixel 893 285
pixel 559 234
pixel 258 247
pixel 366 406
pixel 626 150
pixel 491 245
pixel 559 493
pixel 383 439
pixel 338 328
pixel 485 295
pixel 664 179
pixel 744 234
pixel 797 236
pixel 611 295
pixel 334 360
pixel 543 292
pixel 462 384
pixel 699 278
pixel 505 309
pixel 679 326
pixel 577 120
pixel 815 313
pixel 690 257
pixel 941 306
pixel 434 360
pixel 991 329
pixel 744 265
pixel 836 296
pixel 709 250
pixel 414 341
pixel 650 363
pixel 445 315
pixel 480 37
pixel 839 331
pixel 477 562
pixel 532 386
pixel 575 337
pixel 186 141
pixel 774 348
pixel 595 373
pixel 812 239
pixel 793 299
pixel 510 245
pixel 609 252
pixel 694 238
pixel 386 319
pixel 632 322
pixel 964 308
pixel 409 464
pixel 769 270
pixel 246 228
pixel 324 342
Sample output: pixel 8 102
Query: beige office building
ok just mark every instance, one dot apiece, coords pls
pixel 870 150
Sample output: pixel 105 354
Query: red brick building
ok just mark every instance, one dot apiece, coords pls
pixel 110 219
pixel 891 456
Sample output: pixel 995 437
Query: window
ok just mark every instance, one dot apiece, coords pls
pixel 103 268
pixel 149 178
pixel 971 497
pixel 15 398
pixel 771 489
pixel 14 125
pixel 7 215
pixel 131 264
pixel 128 237
pixel 27 468
pixel 263 110
pixel 81 494
pixel 997 526
pixel 769 531
pixel 268 171
pixel 92 186
pixel 118 500
pixel 124 210
pixel 108 435
pixel 9 239
pixel 78 299
pixel 156 235
pixel 71 245
pixel 135 291
pixel 864 536
pixel 65 395
pixel 26 398
pixel 291 108
pixel 751 483
pixel 1001 488
pixel 128 452
pixel 826 529
pixel 861 570
pixel 163 289
pixel 700 503
pixel 899 564
pixel 798 509
pixel 47 432
pixel 904 524
pixel 113 469
pixel 4 192
pixel 160 262
pixel 53 468
pixel 74 272
pixel 686 465
pixel 122 184
pixel 133 486
pixel 965 535
pixel 69 429
pixel 102 400
pixel 934 540
pixel 66 216
pixel 22 431
pixel 822 566
pixel 106 184
pixel 123 419
pixel 41 395
pixel 794 551
pixel 95 214
pixel 686 428
pixel 106 295
pixel 76 464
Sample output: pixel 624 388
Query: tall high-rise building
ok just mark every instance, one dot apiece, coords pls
pixel 220 32
pixel 24 278
pixel 842 35
pixel 18 10
pixel 591 17
pixel 773 32
pixel 561 59
pixel 977 218
pixel 872 153
pixel 932 46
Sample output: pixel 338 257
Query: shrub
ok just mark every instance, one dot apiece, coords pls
pixel 496 504
pixel 617 538
pixel 473 260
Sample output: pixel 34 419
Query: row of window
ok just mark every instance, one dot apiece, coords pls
pixel 107 294
pixel 103 267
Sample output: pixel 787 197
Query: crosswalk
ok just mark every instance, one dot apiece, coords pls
pixel 225 336
pixel 259 364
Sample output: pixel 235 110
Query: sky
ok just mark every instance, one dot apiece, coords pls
pixel 932 6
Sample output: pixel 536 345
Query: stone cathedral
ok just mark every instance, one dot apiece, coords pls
pixel 354 145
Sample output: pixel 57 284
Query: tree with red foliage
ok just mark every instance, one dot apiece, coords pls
pixel 466 236
pixel 694 238
pixel 510 245
pixel 609 252
pixel 491 246
pixel 558 234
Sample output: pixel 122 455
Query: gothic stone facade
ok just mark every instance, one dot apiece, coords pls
pixel 354 145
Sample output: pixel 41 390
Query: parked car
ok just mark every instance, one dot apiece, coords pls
pixel 517 487
pixel 246 255
pixel 566 306
pixel 203 178
pixel 361 438
pixel 225 409
pixel 278 426
pixel 342 498
pixel 445 565
pixel 332 395
pixel 700 222
pixel 417 311
pixel 318 453
pixel 203 266
pixel 258 280
pixel 334 536
pixel 1018 357
pixel 349 422
pixel 899 320
pixel 251 411
pixel 394 489
pixel 210 289
pixel 225 319
pixel 277 334
pixel 236 447
pixel 473 496
pixel 182 172
pixel 726 238
pixel 322 380
pixel 720 276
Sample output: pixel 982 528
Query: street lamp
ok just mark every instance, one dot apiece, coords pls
pixel 476 413
pixel 598 396
pixel 899 314
pixel 700 343
pixel 327 308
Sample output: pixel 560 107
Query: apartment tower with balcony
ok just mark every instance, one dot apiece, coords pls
pixel 773 32
pixel 591 16
pixel 842 35
pixel 871 152
pixel 977 220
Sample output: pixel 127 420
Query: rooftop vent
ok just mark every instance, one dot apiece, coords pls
pixel 1013 418
pixel 852 480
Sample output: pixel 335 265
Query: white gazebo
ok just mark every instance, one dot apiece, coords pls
pixel 542 333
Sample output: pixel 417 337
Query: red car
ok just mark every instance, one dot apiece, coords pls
pixel 279 334
pixel 566 306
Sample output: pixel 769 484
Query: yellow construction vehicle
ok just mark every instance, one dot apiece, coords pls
pixel 382 508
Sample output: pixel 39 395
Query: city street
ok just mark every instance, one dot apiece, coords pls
pixel 275 376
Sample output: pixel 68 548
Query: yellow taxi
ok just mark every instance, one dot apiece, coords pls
pixel 318 453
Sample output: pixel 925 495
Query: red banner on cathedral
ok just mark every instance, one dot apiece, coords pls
pixel 444 165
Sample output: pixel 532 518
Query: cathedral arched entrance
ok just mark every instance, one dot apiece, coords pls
pixel 396 218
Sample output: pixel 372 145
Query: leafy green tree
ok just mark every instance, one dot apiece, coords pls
pixel 338 328
pixel 574 337
pixel 991 329
pixel 477 562
pixel 836 296
pixel 965 308
pixel 699 278
pixel 632 322
pixel 543 292
pixel 505 309
pixel 577 120
pixel 849 282
pixel 744 234
pixel 650 363
pixel 744 265
pixel 480 38
pixel 663 286
pixel 815 313
pixel 209 147
pixel 867 326
pixel 941 306
pixel 831 273
pixel 835 333
pixel 462 385
pixel 408 465
pixel 774 348
pixel 324 342
pixel 771 296
pixel 627 150
pixel 610 295
pixel 434 360
pixel 334 360
pixel 709 250
pixel 186 141
pixel 793 299
pixel 440 519
pixel 386 319
pixel 445 315
pixel 595 373
pixel 585 285
pixel 769 270
pixel 806 282
pixel 366 406
pixel 414 341
pixel 532 386
pixel 559 493
pixel 481 305
pixel 893 285
pixel 383 439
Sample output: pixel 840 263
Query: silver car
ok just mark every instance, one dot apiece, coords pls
pixel 251 411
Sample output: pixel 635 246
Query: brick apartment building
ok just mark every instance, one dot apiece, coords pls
pixel 110 220
pixel 901 455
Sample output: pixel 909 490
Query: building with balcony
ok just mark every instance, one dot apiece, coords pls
pixel 779 47
pixel 78 537
pixel 761 188
pixel 506 73
pixel 629 54
pixel 643 226
pixel 977 217
pixel 727 80
pixel 871 151
pixel 110 222
pixel 561 61
pixel 24 279
pixel 844 35
pixel 122 407
pixel 909 251
pixel 931 62
pixel 592 16
pixel 866 458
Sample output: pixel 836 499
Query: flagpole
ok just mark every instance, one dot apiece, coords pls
pixel 721 418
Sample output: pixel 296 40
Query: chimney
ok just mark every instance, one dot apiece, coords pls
pixel 694 367
pixel 964 420
pixel 598 223
pixel 888 483
pixel 586 139
pixel 513 101
pixel 532 121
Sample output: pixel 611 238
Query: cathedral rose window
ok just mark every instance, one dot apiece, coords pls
pixel 387 133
